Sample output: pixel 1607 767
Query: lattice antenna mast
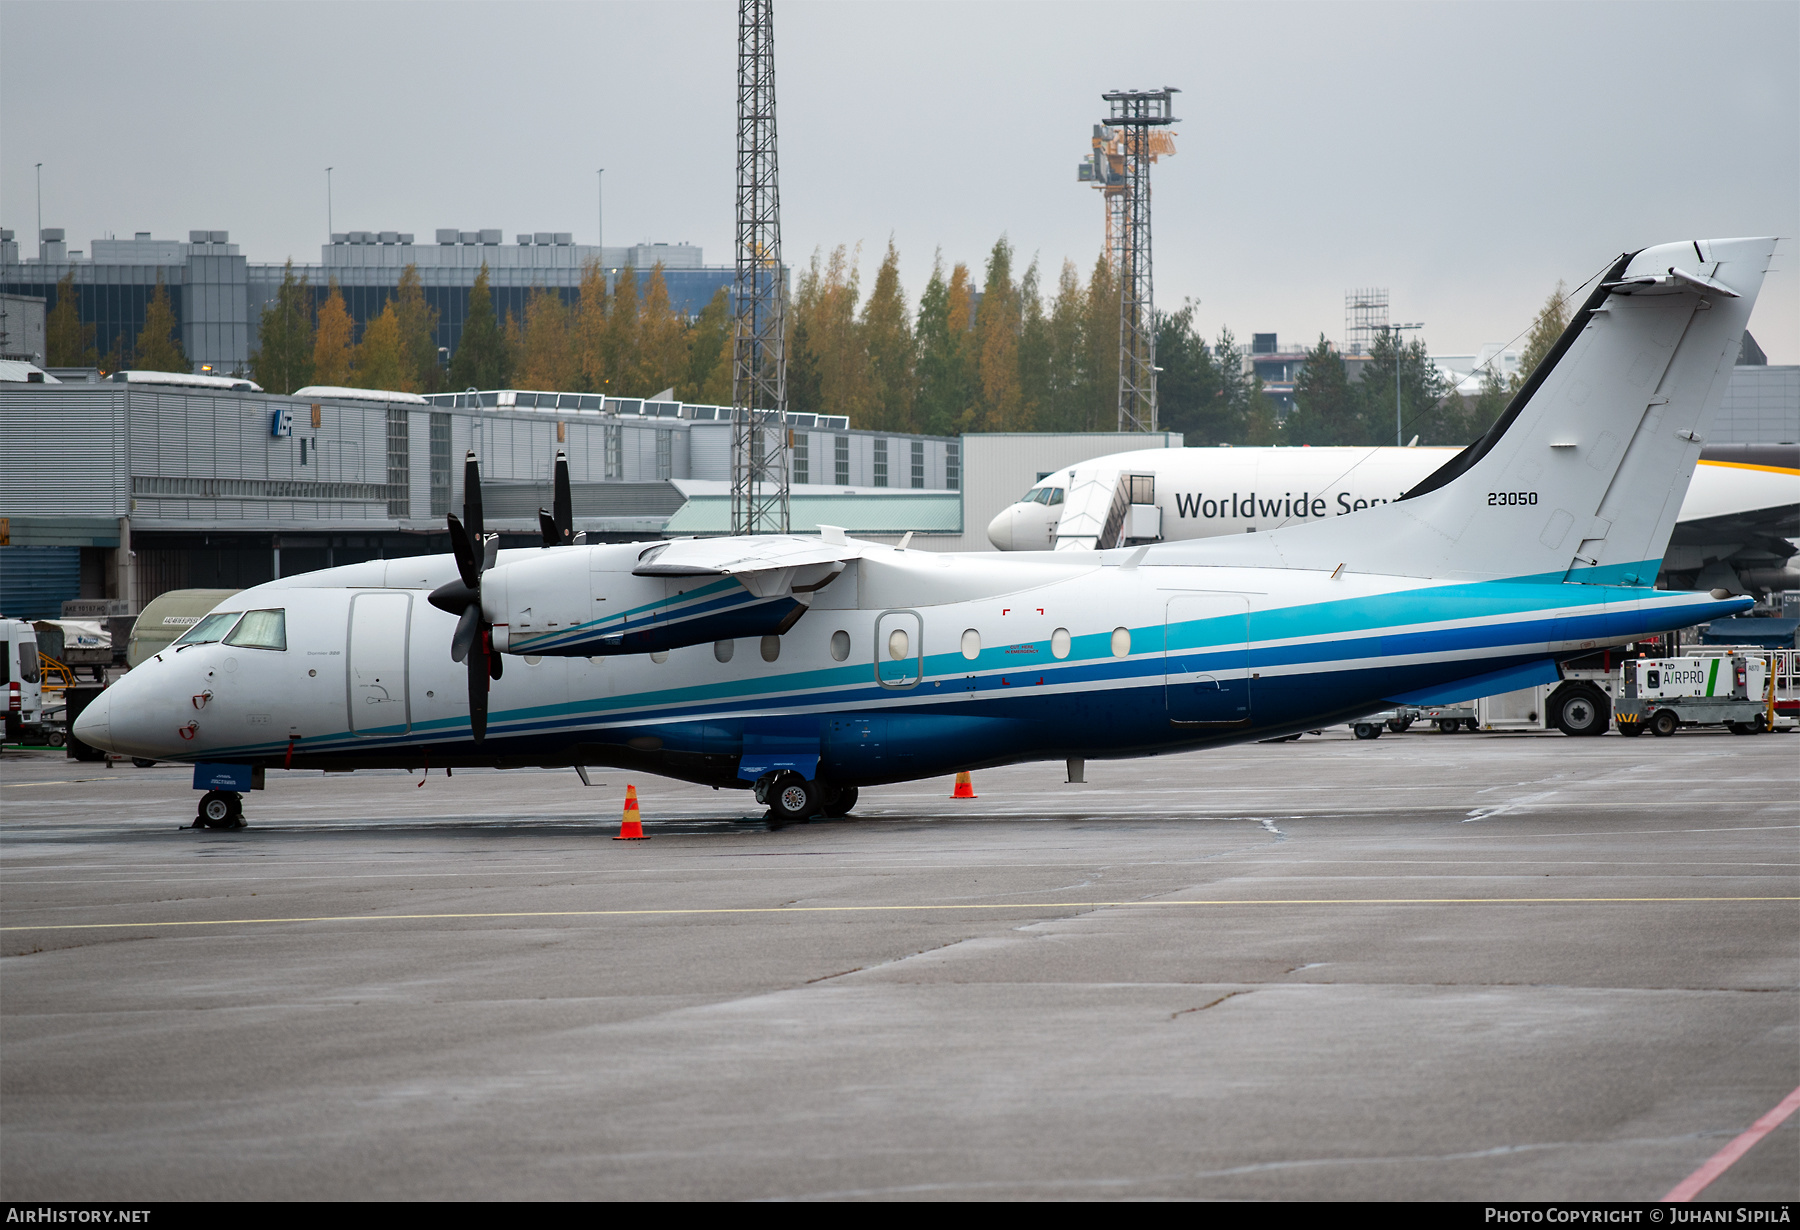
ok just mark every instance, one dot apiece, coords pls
pixel 1135 114
pixel 759 464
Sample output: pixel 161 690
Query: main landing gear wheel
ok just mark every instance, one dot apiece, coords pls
pixel 220 809
pixel 792 800
pixel 143 762
pixel 1581 710
pixel 1367 730
pixel 1663 723
pixel 840 806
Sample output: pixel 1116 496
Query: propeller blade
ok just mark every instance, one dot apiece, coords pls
pixel 547 527
pixel 478 691
pixel 564 503
pixel 496 663
pixel 467 564
pixel 467 629
pixel 472 495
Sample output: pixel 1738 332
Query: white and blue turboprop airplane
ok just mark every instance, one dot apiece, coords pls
pixel 809 667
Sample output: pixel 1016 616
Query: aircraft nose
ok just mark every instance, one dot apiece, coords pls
pixel 1000 529
pixel 94 726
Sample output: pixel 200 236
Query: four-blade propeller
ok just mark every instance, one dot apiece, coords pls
pixel 473 641
pixel 558 527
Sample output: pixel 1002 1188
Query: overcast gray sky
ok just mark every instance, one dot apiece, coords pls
pixel 1464 155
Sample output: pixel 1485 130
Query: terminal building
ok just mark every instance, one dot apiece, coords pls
pixel 217 293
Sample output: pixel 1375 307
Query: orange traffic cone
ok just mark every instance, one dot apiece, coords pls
pixel 633 828
pixel 965 789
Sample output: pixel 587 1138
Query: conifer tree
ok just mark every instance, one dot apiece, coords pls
pixel 418 322
pixel 158 349
pixel 68 342
pixel 1187 387
pixel 1325 407
pixel 483 357
pixel 941 336
pixel 333 355
pixel 283 358
pixel 888 340
pixel 1549 324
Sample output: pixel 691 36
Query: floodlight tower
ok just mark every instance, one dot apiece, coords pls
pixel 759 469
pixel 1135 114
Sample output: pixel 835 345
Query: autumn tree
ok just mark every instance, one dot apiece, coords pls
pixel 1034 351
pixel 283 358
pixel 1546 328
pixel 158 349
pixel 888 342
pixel 709 357
pixel 483 357
pixel 588 332
pixel 418 322
pixel 548 361
pixel 68 342
pixel 662 340
pixel 1099 398
pixel 1060 407
pixel 333 353
pixel 380 361
pixel 619 350
pixel 999 402
pixel 832 340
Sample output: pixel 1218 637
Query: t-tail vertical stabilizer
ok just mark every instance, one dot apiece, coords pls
pixel 1584 474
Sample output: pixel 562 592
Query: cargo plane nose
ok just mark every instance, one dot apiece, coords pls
pixel 1025 526
pixel 94 726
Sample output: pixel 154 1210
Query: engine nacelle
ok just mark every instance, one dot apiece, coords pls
pixel 587 602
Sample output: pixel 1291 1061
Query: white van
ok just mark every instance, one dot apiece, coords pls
pixel 19 674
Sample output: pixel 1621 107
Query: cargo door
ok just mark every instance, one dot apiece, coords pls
pixel 1206 660
pixel 380 625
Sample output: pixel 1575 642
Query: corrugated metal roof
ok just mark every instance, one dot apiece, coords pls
pixel 925 512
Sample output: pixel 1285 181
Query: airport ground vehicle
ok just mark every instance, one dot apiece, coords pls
pixel 20 676
pixel 1663 694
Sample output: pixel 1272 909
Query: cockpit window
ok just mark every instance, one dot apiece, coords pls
pixel 261 630
pixel 212 628
pixel 1056 496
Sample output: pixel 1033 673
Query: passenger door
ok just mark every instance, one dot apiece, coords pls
pixel 380 625
pixel 1206 660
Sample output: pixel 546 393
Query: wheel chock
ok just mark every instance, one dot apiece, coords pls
pixel 965 789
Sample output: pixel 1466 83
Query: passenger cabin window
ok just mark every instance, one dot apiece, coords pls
pixel 260 630
pixel 212 628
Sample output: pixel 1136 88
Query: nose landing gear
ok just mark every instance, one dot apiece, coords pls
pixel 220 809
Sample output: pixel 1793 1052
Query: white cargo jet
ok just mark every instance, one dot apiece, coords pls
pixel 1732 532
pixel 808 667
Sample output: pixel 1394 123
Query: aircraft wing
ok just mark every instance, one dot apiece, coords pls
pixel 766 564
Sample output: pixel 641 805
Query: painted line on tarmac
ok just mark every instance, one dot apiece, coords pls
pixel 878 909
pixel 1723 1160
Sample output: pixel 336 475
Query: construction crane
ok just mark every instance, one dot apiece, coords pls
pixel 1125 145
pixel 759 437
